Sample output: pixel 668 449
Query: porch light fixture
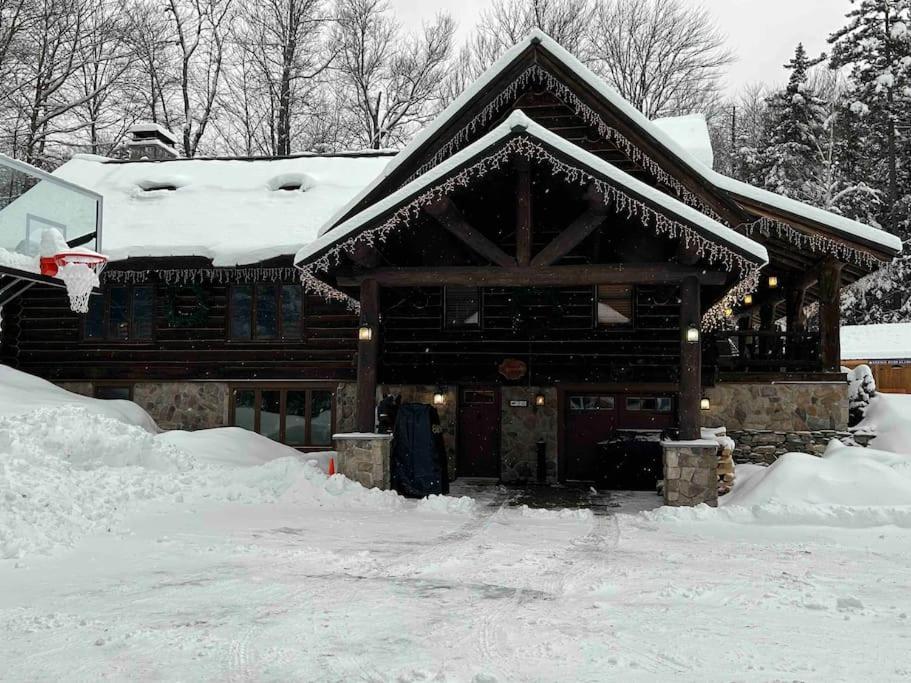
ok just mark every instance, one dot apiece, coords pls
pixel 705 403
pixel 364 332
pixel 728 312
pixel 748 299
pixel 540 400
pixel 692 334
pixel 439 398
pixel 773 281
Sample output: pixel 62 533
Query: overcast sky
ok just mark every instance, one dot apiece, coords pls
pixel 762 33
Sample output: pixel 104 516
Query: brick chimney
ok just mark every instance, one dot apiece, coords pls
pixel 151 141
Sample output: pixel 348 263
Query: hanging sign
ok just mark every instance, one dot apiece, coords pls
pixel 513 369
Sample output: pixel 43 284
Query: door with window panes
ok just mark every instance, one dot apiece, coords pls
pixel 301 417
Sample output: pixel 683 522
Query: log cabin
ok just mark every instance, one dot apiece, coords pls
pixel 542 262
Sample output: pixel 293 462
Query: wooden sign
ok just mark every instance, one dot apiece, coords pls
pixel 513 369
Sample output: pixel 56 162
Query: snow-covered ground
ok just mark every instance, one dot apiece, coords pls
pixel 137 556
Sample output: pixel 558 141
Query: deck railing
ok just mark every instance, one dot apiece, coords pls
pixel 765 351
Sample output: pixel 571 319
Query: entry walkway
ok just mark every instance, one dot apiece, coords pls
pixel 493 494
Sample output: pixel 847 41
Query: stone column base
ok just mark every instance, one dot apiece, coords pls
pixel 364 458
pixel 690 473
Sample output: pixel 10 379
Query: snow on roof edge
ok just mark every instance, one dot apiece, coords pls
pixel 518 119
pixel 884 341
pixel 848 227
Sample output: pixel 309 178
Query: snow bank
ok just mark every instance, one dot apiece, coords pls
pixel 889 417
pixel 22 393
pixel 847 487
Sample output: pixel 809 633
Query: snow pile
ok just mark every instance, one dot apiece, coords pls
pixel 846 487
pixel 861 388
pixel 889 417
pixel 21 393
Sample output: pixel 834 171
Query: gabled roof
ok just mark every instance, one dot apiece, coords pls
pixel 232 211
pixel 519 124
pixel 726 187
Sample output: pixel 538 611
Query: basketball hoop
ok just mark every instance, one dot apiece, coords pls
pixel 79 269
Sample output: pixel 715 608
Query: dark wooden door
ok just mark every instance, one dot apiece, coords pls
pixel 479 432
pixel 590 419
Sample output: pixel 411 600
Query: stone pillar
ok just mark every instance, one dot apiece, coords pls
pixel 364 458
pixel 690 473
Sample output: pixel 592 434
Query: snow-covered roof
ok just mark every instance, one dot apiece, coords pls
pixel 691 132
pixel 230 210
pixel 146 127
pixel 518 121
pixel 876 342
pixel 849 228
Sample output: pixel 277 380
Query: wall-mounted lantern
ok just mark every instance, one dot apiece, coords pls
pixel 364 332
pixel 728 312
pixel 439 397
pixel 540 400
pixel 705 403
pixel 748 299
pixel 773 281
pixel 692 334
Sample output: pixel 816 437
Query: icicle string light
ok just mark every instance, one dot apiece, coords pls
pixel 523 146
pixel 187 276
pixel 815 243
pixel 561 91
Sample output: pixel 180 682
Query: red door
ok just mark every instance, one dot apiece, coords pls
pixel 479 432
pixel 590 419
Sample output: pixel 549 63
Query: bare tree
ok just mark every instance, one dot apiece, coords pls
pixel 663 56
pixel 392 82
pixel 285 55
pixel 154 81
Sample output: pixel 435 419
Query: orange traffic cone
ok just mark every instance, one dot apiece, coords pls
pixel 331 466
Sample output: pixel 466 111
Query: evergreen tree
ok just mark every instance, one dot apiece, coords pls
pixel 794 127
pixel 876 47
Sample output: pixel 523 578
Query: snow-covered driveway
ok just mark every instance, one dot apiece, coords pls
pixel 278 592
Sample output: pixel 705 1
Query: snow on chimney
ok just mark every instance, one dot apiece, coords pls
pixel 151 141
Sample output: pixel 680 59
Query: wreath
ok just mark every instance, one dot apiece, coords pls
pixel 198 315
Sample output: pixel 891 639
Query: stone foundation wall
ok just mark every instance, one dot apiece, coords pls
pixel 346 408
pixel 522 427
pixel 763 447
pixel 787 407
pixel 184 405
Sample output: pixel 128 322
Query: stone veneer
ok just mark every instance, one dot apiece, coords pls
pixel 364 458
pixel 184 405
pixel 690 473
pixel 346 408
pixel 522 427
pixel 784 406
pixel 763 447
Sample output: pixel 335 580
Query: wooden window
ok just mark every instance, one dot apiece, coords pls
pixel 113 391
pixel 266 312
pixel 591 404
pixel 649 404
pixel 462 307
pixel 296 416
pixel 613 305
pixel 122 313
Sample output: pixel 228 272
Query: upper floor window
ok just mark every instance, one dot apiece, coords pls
pixel 462 307
pixel 121 313
pixel 613 305
pixel 266 311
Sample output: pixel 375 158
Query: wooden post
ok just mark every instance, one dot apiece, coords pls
pixel 523 211
pixel 830 314
pixel 690 361
pixel 794 303
pixel 766 324
pixel 367 357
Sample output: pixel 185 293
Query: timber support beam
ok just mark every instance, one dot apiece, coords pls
pixel 690 361
pixel 367 353
pixel 830 314
pixel 447 215
pixel 551 276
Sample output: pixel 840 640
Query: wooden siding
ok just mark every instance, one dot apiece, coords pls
pixel 42 336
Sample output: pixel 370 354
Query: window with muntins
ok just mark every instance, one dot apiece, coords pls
pixel 613 305
pixel 265 312
pixel 462 307
pixel 299 417
pixel 121 313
